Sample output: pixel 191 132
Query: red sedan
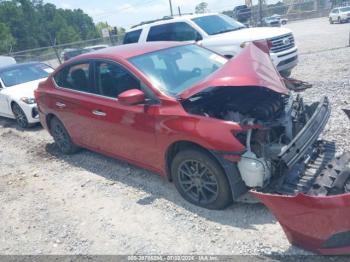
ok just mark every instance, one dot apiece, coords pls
pixel 216 127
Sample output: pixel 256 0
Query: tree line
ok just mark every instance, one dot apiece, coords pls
pixel 27 24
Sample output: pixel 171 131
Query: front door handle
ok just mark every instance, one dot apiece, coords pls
pixel 60 105
pixel 98 113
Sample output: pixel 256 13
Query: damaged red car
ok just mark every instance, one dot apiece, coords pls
pixel 217 128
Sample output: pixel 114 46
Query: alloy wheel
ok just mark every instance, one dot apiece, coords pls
pixel 198 182
pixel 21 118
pixel 61 137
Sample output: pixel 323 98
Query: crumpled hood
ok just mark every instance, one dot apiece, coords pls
pixel 251 67
pixel 22 90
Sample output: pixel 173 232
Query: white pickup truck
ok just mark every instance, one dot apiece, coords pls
pixel 219 33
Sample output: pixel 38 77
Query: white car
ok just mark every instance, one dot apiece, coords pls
pixel 17 85
pixel 219 33
pixel 7 60
pixel 340 15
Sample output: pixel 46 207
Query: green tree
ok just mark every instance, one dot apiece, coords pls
pixel 7 40
pixel 201 8
pixel 67 35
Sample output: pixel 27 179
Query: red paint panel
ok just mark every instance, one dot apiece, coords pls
pixel 309 221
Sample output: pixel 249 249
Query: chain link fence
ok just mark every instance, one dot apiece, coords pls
pixel 53 55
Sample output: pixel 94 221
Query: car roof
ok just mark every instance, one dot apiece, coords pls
pixel 129 50
pixel 14 66
pixel 167 20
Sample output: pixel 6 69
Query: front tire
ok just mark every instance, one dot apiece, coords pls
pixel 200 179
pixel 20 116
pixel 330 20
pixel 61 137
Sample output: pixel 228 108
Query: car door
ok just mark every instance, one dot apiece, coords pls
pixel 121 130
pixel 74 102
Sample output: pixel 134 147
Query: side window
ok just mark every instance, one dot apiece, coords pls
pixel 160 33
pixel 180 31
pixel 113 79
pixel 132 37
pixel 184 32
pixel 75 77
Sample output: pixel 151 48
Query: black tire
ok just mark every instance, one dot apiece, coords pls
pixel 286 73
pixel 339 20
pixel 61 137
pixel 200 179
pixel 330 20
pixel 20 116
pixel 284 22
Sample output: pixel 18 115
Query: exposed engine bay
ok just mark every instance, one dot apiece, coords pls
pixel 283 154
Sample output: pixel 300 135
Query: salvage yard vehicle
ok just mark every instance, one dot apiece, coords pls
pixel 221 34
pixel 7 60
pixel 340 15
pixel 17 84
pixel 217 127
pixel 72 52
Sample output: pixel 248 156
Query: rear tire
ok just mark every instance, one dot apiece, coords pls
pixel 200 179
pixel 61 137
pixel 20 116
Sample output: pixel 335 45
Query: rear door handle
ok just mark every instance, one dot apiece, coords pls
pixel 60 105
pixel 98 113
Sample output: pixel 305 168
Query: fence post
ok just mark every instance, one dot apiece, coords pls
pixel 57 55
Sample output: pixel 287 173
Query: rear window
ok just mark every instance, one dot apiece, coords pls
pixel 132 37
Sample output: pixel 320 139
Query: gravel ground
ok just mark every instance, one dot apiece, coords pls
pixel 91 204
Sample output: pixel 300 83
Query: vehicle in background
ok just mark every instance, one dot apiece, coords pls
pixel 271 21
pixel 339 15
pixel 96 47
pixel 221 34
pixel 216 127
pixel 72 52
pixel 17 85
pixel 7 60
pixel 274 21
pixel 242 13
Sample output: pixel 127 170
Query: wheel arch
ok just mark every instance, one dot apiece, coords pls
pixel 229 168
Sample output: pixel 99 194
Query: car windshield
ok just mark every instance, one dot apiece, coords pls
pixel 217 24
pixel 24 73
pixel 345 9
pixel 174 70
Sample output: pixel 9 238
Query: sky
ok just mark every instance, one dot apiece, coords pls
pixel 127 13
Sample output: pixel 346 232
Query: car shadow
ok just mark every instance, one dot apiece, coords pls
pixel 11 123
pixel 241 215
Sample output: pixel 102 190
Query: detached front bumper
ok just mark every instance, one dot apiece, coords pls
pixel 311 200
pixel 318 224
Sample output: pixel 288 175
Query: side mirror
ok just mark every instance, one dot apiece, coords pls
pixel 132 97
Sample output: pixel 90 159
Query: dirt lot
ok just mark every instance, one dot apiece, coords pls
pixel 91 204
